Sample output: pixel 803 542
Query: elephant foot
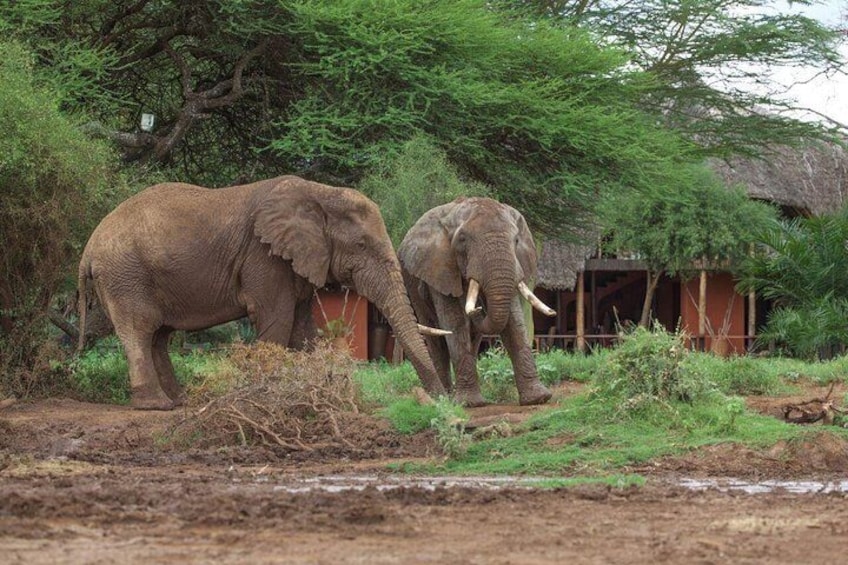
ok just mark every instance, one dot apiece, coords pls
pixel 178 397
pixel 536 393
pixel 151 401
pixel 471 399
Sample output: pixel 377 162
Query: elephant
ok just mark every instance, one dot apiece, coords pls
pixel 474 248
pixel 181 257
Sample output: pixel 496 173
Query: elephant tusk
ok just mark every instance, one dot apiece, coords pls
pixel 534 300
pixel 471 299
pixel 427 330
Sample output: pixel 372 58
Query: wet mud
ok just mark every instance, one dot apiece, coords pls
pixel 83 483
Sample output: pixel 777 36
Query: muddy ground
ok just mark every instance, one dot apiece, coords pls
pixel 83 483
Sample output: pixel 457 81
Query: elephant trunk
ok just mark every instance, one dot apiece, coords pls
pixel 499 289
pixel 385 289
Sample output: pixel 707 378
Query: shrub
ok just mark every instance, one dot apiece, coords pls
pixel 56 183
pixel 650 366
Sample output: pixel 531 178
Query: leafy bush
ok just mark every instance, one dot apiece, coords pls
pixel 410 183
pixel 56 184
pixel 382 383
pixel 101 374
pixel 449 424
pixel 801 266
pixel 650 366
pixel 497 382
pixel 738 375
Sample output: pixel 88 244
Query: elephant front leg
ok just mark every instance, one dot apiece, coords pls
pixel 530 388
pixel 304 332
pixel 463 347
pixel 438 349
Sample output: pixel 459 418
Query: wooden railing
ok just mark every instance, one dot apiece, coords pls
pixel 546 342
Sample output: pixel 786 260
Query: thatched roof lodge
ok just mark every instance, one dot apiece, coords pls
pixel 593 293
pixel 804 182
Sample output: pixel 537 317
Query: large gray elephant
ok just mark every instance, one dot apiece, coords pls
pixel 182 257
pixel 470 249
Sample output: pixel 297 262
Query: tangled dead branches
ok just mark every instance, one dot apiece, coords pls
pixel 293 400
pixel 811 411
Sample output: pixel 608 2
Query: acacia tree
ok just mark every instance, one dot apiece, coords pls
pixel 712 63
pixel 677 228
pixel 329 89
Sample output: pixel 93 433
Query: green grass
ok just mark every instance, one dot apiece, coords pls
pixel 643 400
pixel 101 374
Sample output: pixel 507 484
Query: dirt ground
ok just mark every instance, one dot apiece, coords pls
pixel 83 483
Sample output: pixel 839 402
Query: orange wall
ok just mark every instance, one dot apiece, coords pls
pixel 355 314
pixel 720 293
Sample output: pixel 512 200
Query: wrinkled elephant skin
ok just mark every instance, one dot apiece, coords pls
pixel 460 254
pixel 182 257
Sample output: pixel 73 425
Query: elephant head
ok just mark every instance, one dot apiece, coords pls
pixel 337 235
pixel 472 245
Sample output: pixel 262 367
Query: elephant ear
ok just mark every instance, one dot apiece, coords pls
pixel 292 221
pixel 525 248
pixel 426 252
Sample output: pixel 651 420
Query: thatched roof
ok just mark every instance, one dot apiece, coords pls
pixel 812 180
pixel 559 263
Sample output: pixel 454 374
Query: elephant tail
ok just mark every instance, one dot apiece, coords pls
pixel 84 275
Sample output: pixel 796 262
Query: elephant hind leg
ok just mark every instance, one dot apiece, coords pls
pixel 145 388
pixel 164 367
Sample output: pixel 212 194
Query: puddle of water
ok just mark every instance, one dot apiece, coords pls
pixel 795 487
pixel 345 483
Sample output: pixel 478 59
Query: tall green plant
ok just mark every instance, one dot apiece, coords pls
pixel 678 226
pixel 801 266
pixel 409 183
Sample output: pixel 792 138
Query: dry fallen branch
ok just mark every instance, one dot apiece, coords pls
pixel 296 401
pixel 811 411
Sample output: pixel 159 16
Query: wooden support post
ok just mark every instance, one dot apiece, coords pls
pixel 581 313
pixel 702 312
pixel 752 319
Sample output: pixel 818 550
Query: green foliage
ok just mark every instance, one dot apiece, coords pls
pixel 739 375
pixel 497 382
pixel 694 217
pixel 408 416
pixel 684 45
pixel 586 435
pixel 381 383
pixel 408 184
pixel 55 184
pixel 100 374
pixel 449 425
pixel 650 366
pixel 801 266
pixel 508 103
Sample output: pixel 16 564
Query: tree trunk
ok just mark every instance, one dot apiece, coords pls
pixel 652 279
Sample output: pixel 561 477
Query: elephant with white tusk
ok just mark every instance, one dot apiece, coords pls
pixel 182 257
pixel 466 265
